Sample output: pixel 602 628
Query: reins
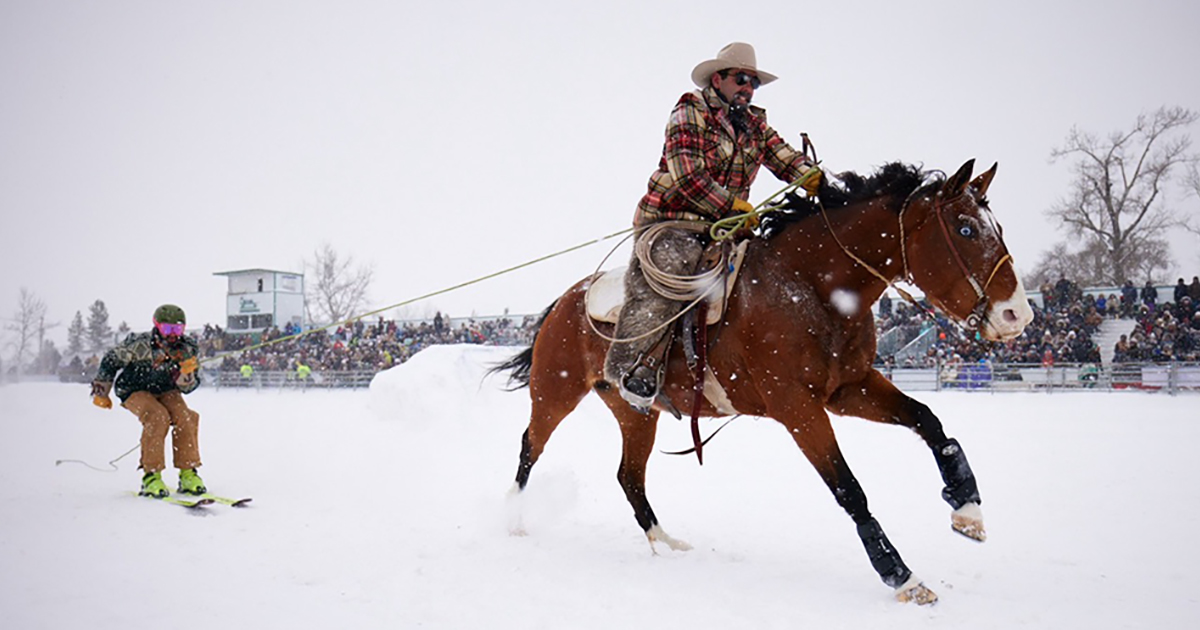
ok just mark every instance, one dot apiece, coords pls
pixel 979 311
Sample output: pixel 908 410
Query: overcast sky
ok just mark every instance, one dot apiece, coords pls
pixel 146 145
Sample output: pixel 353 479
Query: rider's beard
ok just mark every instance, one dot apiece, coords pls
pixel 739 115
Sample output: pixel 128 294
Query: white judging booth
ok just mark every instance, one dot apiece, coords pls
pixel 258 299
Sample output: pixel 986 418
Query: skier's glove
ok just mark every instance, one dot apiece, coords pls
pixel 100 397
pixel 188 366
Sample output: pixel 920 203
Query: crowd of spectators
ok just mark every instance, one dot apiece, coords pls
pixel 361 346
pixel 1164 332
pixel 1064 328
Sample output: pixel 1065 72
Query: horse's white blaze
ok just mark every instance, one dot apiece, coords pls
pixel 656 533
pixel 1007 319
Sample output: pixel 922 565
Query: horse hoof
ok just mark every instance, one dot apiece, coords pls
pixel 656 534
pixel 915 591
pixel 968 521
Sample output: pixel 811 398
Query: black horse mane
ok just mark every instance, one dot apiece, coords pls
pixel 895 179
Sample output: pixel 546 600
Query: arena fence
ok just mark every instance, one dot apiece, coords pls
pixel 263 379
pixel 1172 378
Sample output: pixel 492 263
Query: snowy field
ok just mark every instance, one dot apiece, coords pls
pixel 387 509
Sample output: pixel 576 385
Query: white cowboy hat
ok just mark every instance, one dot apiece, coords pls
pixel 734 56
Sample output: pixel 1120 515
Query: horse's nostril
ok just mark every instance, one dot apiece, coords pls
pixel 1010 315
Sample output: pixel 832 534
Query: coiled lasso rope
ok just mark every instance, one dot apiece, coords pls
pixel 689 288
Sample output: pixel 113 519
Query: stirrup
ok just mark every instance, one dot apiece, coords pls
pixel 647 386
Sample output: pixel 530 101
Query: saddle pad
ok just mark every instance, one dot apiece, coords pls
pixel 607 293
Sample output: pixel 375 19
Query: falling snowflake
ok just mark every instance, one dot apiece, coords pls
pixel 846 302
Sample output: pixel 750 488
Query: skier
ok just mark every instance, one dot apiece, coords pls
pixel 156 369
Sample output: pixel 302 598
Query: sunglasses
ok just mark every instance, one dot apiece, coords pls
pixel 742 78
pixel 169 330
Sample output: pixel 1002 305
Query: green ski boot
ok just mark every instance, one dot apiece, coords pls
pixel 190 482
pixel 153 486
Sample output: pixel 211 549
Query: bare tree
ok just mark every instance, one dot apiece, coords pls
pixel 27 324
pixel 1117 208
pixel 1193 186
pixel 335 288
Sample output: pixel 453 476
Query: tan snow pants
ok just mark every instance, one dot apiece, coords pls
pixel 156 414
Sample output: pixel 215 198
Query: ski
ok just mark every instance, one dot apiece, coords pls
pixel 226 500
pixel 186 503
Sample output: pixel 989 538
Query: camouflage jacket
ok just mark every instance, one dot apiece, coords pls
pixel 706 163
pixel 147 364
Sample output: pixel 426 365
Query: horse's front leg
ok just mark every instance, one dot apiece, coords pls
pixel 876 398
pixel 813 433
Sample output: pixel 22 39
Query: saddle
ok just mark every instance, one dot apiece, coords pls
pixel 607 293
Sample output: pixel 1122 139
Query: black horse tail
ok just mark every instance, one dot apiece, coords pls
pixel 519 366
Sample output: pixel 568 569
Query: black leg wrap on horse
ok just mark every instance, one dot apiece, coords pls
pixel 956 473
pixel 883 555
pixel 524 466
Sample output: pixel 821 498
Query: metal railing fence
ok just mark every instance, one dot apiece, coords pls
pixel 264 379
pixel 1172 378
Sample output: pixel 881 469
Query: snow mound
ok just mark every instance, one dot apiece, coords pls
pixel 447 382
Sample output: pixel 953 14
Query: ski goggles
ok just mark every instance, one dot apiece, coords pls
pixel 742 78
pixel 169 330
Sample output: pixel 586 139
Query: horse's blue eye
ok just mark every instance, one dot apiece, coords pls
pixel 966 231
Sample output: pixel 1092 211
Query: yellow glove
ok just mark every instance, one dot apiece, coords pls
pixel 188 366
pixel 741 206
pixel 813 184
pixel 100 394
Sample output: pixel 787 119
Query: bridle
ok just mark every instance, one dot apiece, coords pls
pixel 978 313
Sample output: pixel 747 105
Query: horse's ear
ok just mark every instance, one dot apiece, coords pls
pixel 958 181
pixel 980 184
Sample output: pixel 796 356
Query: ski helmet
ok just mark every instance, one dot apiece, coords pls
pixel 169 314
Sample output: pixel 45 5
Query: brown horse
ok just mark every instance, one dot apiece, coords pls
pixel 798 339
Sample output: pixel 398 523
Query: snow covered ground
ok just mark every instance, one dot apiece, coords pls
pixel 387 509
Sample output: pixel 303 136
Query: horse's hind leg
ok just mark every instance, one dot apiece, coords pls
pixel 548 410
pixel 876 398
pixel 637 442
pixel 814 435
pixel 554 395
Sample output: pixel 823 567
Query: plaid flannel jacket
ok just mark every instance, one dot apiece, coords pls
pixel 706 164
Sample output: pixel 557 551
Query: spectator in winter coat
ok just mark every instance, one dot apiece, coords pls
pixel 1181 291
pixel 1149 295
pixel 1129 298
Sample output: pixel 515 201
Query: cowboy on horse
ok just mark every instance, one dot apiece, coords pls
pixel 796 340
pixel 716 141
